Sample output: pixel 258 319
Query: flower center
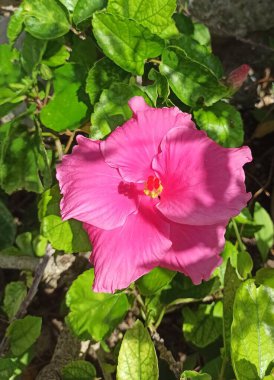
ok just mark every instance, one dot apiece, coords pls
pixel 153 187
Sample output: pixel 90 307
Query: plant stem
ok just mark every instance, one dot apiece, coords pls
pixel 238 236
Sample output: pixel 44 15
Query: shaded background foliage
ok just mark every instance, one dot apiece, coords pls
pixel 69 67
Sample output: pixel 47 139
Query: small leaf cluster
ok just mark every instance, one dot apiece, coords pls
pixel 69 67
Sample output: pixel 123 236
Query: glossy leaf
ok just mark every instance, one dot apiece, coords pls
pixel 154 281
pixel 252 343
pixel 79 369
pixel 93 315
pixel 137 357
pixel 265 236
pixel 84 9
pixel 67 109
pixel 68 236
pixel 45 19
pixel 112 109
pixel 203 326
pixel 69 4
pixel 114 35
pixel 199 54
pixel 222 122
pixel 153 14
pixel 15 292
pixel 23 333
pixel 101 76
pixel 7 227
pixel 191 82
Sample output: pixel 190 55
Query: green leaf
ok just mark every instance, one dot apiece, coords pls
pixel 137 357
pixel 15 24
pixel 23 333
pixel 7 227
pixel 68 236
pixel 112 109
pixel 32 52
pixel 114 35
pixel 199 54
pixel 154 281
pixel 252 331
pixel 153 14
pixel 93 314
pixel 45 19
pixel 67 109
pixel 183 287
pixel 23 242
pixel 69 4
pixel 154 310
pixel 223 123
pixel 265 236
pixel 101 76
pixel 191 82
pixel 10 72
pixel 85 8
pixel 189 375
pixel 20 159
pixel 204 325
pixel 84 53
pixel 184 24
pixel 231 284
pixel 201 34
pixel 265 276
pixel 244 264
pixel 159 89
pixel 14 294
pixel 7 368
pixel 78 369
pixel 56 53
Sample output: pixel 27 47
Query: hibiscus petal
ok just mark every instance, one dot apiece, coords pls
pixel 91 188
pixel 131 147
pixel 122 255
pixel 203 183
pixel 195 250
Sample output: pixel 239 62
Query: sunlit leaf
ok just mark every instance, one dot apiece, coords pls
pixel 93 314
pixel 137 357
pixel 153 14
pixel 114 35
pixel 222 122
pixel 252 343
pixel 68 236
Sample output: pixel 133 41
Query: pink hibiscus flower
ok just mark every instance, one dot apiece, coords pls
pixel 156 192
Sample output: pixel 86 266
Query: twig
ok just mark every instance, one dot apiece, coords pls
pixel 19 262
pixel 166 355
pixel 238 236
pixel 31 293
